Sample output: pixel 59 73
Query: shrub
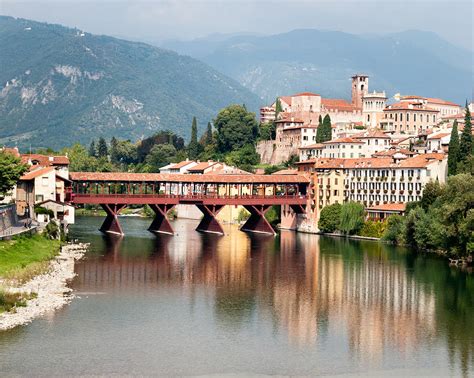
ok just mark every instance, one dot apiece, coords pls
pixel 373 229
pixel 394 229
pixel 330 218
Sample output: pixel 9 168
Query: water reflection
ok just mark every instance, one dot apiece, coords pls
pixel 372 299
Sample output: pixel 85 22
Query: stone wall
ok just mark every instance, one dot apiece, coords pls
pixel 8 217
pixel 273 152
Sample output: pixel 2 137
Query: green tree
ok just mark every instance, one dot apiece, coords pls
pixel 102 150
pixel 113 150
pixel 432 191
pixel 465 146
pixel 209 139
pixel 411 220
pixel 267 131
pixel 278 107
pixel 327 129
pixel 125 153
pixel 93 149
pixel 80 160
pixel 394 229
pixel 320 130
pixel 194 148
pixel 453 156
pixel 11 170
pixel 352 218
pixel 236 127
pixel 329 218
pixel 244 158
pixel 160 155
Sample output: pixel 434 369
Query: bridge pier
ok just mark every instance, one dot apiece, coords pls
pixel 209 222
pixel 161 223
pixel 257 221
pixel 111 223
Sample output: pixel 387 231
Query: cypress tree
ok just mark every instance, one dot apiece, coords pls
pixel 92 149
pixel 113 150
pixel 193 146
pixel 327 128
pixel 102 150
pixel 465 146
pixel 209 134
pixel 453 154
pixel 278 107
pixel 319 131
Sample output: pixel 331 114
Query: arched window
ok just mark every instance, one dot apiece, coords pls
pixel 408 117
pixel 414 117
pixel 401 117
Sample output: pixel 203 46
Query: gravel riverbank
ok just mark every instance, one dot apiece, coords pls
pixel 51 288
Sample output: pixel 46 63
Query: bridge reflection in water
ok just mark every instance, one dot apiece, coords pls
pixel 309 287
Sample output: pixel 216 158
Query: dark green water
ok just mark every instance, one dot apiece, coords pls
pixel 295 304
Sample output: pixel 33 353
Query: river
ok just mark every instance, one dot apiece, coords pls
pixel 299 304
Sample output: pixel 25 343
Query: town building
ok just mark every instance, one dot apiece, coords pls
pixel 407 117
pixel 372 108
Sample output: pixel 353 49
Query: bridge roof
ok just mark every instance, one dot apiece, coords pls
pixel 188 178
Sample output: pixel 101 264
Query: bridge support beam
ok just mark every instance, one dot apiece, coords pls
pixel 209 222
pixel 257 221
pixel 111 223
pixel 161 223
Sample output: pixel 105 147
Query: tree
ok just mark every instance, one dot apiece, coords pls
pixel 162 137
pixel 160 155
pixel 329 218
pixel 352 218
pixel 465 146
pixel 327 128
pixel 102 150
pixel 209 139
pixel 453 153
pixel 11 170
pixel 124 152
pixel 278 107
pixel 113 150
pixel 194 148
pixel 93 149
pixel 320 131
pixel 236 127
pixel 267 131
pixel 432 191
pixel 394 229
pixel 244 158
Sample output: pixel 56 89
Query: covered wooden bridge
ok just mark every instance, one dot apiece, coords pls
pixel 210 193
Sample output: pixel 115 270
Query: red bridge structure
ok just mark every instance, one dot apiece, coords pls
pixel 210 193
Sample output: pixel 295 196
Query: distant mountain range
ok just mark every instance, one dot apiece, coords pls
pixel 60 85
pixel 411 62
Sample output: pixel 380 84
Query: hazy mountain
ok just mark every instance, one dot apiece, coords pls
pixel 60 85
pixel 411 62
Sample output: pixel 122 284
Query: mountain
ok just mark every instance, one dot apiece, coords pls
pixel 60 85
pixel 411 62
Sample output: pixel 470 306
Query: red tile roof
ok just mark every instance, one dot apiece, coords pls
pixel 202 166
pixel 286 99
pixel 440 101
pixel 337 104
pixel 305 94
pixel 45 160
pixel 171 177
pixel 412 106
pixel 286 172
pixel 181 164
pixel 379 134
pixel 312 146
pixel 35 173
pixel 343 140
pixel 398 207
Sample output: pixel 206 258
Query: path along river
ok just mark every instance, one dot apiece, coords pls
pixel 299 304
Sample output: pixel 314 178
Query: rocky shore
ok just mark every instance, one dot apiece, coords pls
pixel 50 288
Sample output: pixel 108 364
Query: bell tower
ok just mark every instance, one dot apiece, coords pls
pixel 360 87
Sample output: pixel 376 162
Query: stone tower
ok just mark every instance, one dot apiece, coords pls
pixel 360 87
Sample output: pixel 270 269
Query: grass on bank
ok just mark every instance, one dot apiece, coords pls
pixel 25 257
pixel 8 300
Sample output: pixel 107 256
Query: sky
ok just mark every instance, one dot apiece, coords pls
pixel 157 20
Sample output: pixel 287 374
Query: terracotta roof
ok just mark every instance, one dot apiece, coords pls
pixel 393 151
pixel 14 151
pixel 440 101
pixel 286 172
pixel 399 207
pixel 337 104
pixel 286 99
pixel 309 161
pixel 305 94
pixel 438 136
pixel 371 134
pixel 181 164
pixel 412 106
pixel 202 166
pixel 312 146
pixel 284 120
pixel 227 170
pixel 343 140
pixel 171 177
pixel 45 160
pixel 421 161
pixel 454 116
pixel 35 173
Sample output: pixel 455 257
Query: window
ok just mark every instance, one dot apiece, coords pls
pixel 44 181
pixel 408 117
pixel 401 117
pixel 414 117
pixel 39 198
